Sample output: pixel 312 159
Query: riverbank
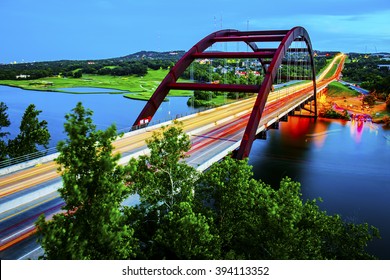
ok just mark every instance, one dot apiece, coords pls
pixel 340 98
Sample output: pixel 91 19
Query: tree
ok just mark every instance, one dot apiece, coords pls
pixel 388 101
pixel 4 122
pixel 185 234
pixel 92 226
pixel 228 191
pixel 369 99
pixel 32 133
pixel 161 178
pixel 255 221
pixel 386 121
pixel 77 73
pixel 165 221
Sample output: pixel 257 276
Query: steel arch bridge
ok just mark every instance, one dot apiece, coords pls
pixel 270 58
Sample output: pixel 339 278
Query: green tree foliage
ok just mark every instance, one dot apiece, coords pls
pixel 92 226
pixel 332 114
pixel 369 99
pixel 164 221
pixel 366 70
pixel 230 193
pixel 255 221
pixel 161 179
pixel 32 134
pixel 78 73
pixel 4 122
pixel 185 234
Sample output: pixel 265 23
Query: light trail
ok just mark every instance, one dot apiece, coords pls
pixel 29 253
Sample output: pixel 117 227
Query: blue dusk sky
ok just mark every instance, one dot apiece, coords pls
pixel 42 30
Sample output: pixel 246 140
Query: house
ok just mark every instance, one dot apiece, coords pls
pixel 22 76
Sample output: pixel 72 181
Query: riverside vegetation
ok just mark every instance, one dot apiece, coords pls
pixel 33 133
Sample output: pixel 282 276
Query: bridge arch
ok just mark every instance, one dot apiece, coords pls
pixel 274 58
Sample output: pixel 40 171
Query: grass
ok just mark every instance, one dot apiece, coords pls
pixel 333 69
pixel 328 61
pixel 336 89
pixel 138 87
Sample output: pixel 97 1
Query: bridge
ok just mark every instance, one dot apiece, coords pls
pixel 289 86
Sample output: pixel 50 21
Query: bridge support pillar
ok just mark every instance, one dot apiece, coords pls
pixel 262 135
pixel 275 125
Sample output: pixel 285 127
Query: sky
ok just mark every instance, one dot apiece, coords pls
pixel 46 30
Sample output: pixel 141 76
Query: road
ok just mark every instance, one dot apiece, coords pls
pixel 354 87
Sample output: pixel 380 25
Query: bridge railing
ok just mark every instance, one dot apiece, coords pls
pixel 28 157
pixel 46 152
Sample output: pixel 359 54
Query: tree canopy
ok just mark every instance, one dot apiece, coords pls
pixel 4 122
pixel 32 133
pixel 257 221
pixel 92 225
pixel 367 71
pixel 165 221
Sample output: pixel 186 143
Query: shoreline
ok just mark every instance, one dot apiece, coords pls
pixel 135 95
pixel 355 107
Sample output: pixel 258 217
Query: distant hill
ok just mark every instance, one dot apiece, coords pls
pixel 132 64
pixel 171 55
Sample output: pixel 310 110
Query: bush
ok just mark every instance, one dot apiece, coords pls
pixel 203 95
pixel 200 103
pixel 369 99
pixel 386 121
pixel 332 114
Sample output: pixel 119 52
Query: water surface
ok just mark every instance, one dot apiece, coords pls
pixel 347 164
pixel 107 108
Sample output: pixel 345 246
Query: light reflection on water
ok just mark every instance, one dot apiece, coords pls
pixel 345 163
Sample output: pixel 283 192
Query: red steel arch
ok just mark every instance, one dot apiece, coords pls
pixel 296 33
pixel 285 37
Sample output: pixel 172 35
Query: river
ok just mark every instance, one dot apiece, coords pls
pixel 107 108
pixel 347 164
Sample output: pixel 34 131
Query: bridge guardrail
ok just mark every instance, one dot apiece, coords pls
pixel 28 157
pixel 47 152
pixel 34 157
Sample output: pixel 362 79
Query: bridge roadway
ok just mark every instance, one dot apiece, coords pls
pixel 25 194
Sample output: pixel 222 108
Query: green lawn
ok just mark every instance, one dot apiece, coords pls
pixel 139 87
pixel 333 69
pixel 336 89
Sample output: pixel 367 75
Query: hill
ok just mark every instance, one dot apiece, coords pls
pixel 171 55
